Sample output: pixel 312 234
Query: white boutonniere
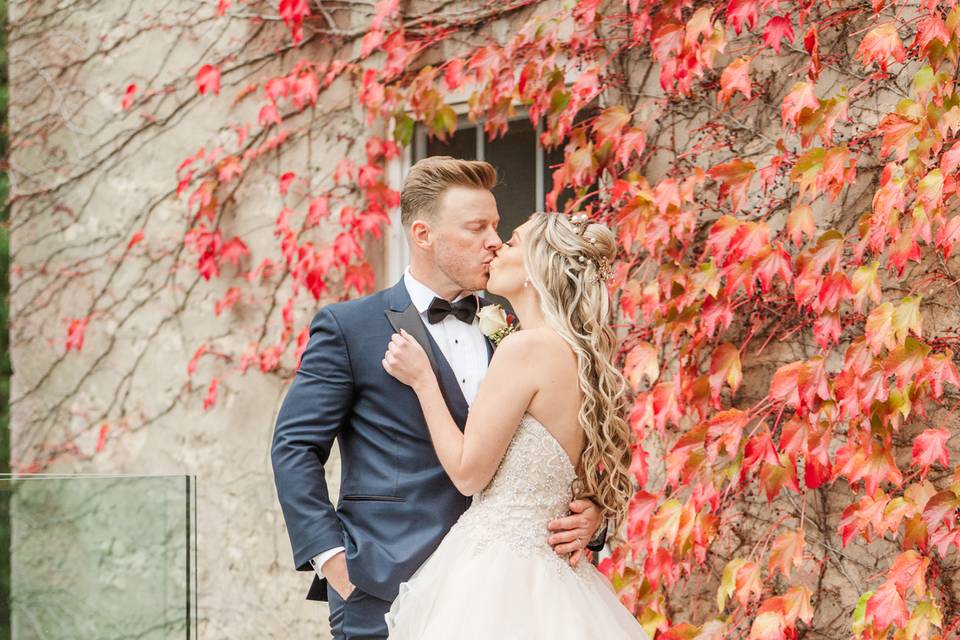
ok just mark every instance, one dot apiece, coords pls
pixel 495 323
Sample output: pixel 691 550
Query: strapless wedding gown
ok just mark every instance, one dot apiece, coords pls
pixel 495 577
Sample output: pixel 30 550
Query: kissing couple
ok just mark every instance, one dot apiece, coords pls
pixel 475 469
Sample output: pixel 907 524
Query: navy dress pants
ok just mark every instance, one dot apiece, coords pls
pixel 359 617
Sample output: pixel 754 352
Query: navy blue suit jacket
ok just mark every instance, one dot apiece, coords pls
pixel 396 502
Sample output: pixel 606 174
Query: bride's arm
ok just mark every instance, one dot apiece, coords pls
pixel 470 457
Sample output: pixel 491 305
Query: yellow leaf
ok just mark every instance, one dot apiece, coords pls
pixel 906 318
pixel 728 582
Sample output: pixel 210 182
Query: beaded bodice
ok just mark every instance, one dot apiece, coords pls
pixel 531 487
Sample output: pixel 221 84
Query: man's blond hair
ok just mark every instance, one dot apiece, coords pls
pixel 431 177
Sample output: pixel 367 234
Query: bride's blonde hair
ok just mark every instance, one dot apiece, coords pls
pixel 567 263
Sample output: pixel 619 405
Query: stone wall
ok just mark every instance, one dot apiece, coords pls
pixel 87 177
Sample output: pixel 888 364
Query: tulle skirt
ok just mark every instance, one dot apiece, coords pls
pixel 477 588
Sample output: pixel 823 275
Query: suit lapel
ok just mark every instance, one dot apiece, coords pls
pixel 409 320
pixel 404 315
pixel 452 393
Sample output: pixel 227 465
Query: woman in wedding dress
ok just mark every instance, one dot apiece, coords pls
pixel 548 424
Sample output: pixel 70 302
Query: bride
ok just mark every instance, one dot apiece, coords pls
pixel 548 423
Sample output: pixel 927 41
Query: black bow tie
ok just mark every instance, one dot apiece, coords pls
pixel 464 309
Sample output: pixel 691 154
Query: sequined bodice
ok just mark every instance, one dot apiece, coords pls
pixel 531 487
pixel 535 473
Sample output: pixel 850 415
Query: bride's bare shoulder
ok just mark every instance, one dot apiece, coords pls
pixel 542 342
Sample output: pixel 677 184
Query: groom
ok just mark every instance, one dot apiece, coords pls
pixel 396 502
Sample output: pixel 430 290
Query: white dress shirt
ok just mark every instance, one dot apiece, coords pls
pixel 464 347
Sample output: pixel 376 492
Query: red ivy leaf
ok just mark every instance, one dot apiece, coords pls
pixel 359 277
pixel 75 333
pixel 372 40
pixel 384 10
pixel 208 79
pixel 102 438
pixel 740 12
pixel 268 114
pixel 230 299
pixel 285 181
pixel 453 74
pixel 192 365
pixel 211 398
pixel 931 447
pixel 777 29
pixel 134 240
pixel 128 97
pixel 887 607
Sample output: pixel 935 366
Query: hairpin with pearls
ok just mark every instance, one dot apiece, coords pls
pixel 581 222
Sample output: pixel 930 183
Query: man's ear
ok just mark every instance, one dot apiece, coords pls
pixel 421 235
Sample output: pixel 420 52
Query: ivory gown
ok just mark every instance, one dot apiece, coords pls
pixel 495 577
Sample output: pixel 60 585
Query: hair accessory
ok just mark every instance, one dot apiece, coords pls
pixel 603 270
pixel 581 221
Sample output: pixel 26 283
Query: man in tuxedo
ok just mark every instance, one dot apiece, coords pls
pixel 396 502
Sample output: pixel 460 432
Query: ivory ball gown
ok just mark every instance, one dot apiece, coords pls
pixel 495 577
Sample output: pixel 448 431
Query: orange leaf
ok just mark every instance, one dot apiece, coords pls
pixel 786 552
pixel 734 178
pixel 725 367
pixel 800 222
pixel 880 44
pixel 801 97
pixel 897 130
pixel 736 77
pixel 642 362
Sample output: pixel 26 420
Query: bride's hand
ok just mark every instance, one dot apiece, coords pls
pixel 406 360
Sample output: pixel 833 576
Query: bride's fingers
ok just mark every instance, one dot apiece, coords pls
pixel 575 557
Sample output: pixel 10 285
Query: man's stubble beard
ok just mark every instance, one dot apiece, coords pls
pixel 455 270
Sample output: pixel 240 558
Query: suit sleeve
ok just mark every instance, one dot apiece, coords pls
pixel 600 539
pixel 313 412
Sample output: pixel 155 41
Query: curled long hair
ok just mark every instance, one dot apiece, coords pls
pixel 566 264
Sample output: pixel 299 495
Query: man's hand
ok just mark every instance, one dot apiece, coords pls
pixel 572 533
pixel 335 571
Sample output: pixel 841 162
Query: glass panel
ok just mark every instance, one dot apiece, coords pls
pixel 462 144
pixel 101 557
pixel 514 156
